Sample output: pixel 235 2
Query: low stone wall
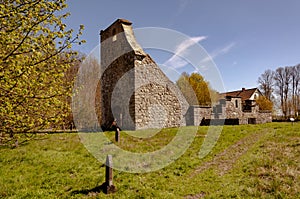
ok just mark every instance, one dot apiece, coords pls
pixel 196 114
pixel 230 116
pixel 264 117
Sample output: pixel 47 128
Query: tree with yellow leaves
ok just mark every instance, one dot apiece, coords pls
pixel 264 103
pixel 196 90
pixel 34 57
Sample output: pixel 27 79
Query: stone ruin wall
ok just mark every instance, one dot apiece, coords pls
pixel 197 113
pixel 139 95
pixel 133 88
pixel 114 95
pixel 158 102
pixel 264 117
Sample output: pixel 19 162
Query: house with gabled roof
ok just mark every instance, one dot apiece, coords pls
pixel 244 98
pixel 235 107
pixel 245 94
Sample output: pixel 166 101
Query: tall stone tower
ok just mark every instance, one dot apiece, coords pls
pixel 134 91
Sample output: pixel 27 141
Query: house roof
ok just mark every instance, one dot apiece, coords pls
pixel 244 94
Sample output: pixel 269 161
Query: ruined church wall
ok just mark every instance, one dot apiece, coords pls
pixel 117 88
pixel 139 95
pixel 133 88
pixel 159 103
pixel 117 59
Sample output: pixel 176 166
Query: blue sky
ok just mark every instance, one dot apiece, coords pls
pixel 244 37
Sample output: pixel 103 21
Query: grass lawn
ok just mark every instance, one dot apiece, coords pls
pixel 248 161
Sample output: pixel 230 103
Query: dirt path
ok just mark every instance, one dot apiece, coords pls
pixel 225 160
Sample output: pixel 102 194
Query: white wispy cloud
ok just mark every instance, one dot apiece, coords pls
pixel 218 52
pixel 176 60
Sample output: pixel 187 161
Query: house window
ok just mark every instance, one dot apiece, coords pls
pixel 236 104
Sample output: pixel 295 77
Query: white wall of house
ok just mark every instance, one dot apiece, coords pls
pixel 255 95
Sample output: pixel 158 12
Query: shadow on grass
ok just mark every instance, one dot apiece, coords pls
pixel 96 190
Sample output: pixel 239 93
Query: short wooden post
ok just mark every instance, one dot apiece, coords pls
pixel 117 135
pixel 109 187
pixel 109 172
pixel 121 119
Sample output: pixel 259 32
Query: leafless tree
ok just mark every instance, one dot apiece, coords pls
pixel 286 89
pixel 279 79
pixel 285 81
pixel 266 83
pixel 282 82
pixel 295 83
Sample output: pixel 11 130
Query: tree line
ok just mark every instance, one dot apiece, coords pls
pixel 282 86
pixel 35 58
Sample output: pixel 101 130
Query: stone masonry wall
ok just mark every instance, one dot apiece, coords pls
pixel 117 59
pixel 156 107
pixel 197 113
pixel 136 93
pixel 133 88
pixel 116 91
pixel 230 111
pixel 159 103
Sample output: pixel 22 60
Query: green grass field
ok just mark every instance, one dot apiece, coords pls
pixel 248 161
